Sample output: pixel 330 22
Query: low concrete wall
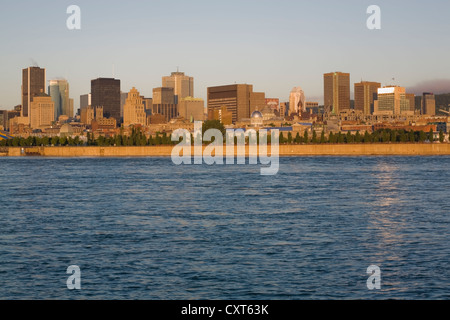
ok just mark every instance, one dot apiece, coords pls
pixel 285 150
pixel 366 150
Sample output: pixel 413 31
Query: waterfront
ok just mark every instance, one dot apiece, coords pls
pixel 142 228
pixel 292 150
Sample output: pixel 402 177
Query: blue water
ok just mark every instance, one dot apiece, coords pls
pixel 146 229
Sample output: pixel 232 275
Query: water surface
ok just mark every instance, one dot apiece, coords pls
pixel 143 228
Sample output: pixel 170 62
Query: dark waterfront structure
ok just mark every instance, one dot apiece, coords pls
pixel 106 93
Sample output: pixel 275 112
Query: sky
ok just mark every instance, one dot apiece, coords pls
pixel 274 45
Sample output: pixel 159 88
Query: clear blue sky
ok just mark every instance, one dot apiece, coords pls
pixel 274 45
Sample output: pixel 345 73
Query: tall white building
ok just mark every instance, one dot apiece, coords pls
pixel 297 101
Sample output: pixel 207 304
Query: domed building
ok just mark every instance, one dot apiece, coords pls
pixel 66 130
pixel 257 119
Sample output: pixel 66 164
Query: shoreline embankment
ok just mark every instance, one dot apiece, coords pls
pixel 435 149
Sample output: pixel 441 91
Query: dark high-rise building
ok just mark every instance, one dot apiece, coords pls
pixel 412 101
pixel 365 95
pixel 33 84
pixel 337 91
pixel 105 92
pixel 428 104
pixel 239 99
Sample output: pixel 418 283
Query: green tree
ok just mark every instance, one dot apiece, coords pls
pixel 386 136
pixel 412 136
pixel 213 124
pixel 55 141
pixel 314 137
pixel 431 136
pixel 15 142
pixel 349 137
pixel 297 138
pixel 331 138
pixel 422 136
pixel 306 137
pixel 289 138
pixel 367 137
pixel 45 141
pixel 403 137
pixel 393 136
pixel 158 139
pixel 441 136
pixel 150 141
pixel 322 137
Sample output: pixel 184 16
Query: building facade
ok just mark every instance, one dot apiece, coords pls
pixel 239 99
pixel 42 112
pixel 106 93
pixel 33 84
pixel 392 101
pixel 134 110
pixel 412 101
pixel 85 100
pixel 59 91
pixel 337 92
pixel 297 101
pixel 169 111
pixel 164 95
pixel 428 104
pixel 365 94
pixel 192 109
pixel 182 85
pixel 221 114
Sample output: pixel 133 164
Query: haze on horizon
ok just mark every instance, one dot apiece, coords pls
pixel 274 45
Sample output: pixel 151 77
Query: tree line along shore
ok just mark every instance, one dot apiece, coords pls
pixel 138 138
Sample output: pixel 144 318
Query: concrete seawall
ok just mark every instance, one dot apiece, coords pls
pixel 285 150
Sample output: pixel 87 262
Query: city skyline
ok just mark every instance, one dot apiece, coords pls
pixel 264 47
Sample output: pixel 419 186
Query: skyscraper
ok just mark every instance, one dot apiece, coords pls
pixel 165 95
pixel 134 109
pixel 106 93
pixel 85 100
pixel 33 84
pixel 412 101
pixel 59 91
pixel 192 109
pixel 238 98
pixel 42 111
pixel 428 104
pixel 182 85
pixel 337 91
pixel 365 95
pixel 297 101
pixel 392 101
